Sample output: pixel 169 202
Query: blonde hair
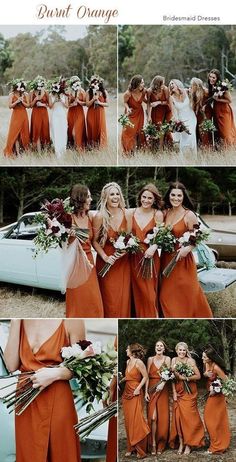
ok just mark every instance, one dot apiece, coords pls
pixel 196 96
pixel 184 345
pixel 179 85
pixel 106 215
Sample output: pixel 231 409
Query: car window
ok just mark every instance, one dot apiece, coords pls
pixel 25 229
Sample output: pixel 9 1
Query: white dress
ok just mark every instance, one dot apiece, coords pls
pixel 59 125
pixel 185 113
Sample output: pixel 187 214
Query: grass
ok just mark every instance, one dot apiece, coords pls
pixel 96 157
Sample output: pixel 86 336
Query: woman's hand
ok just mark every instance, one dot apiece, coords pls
pixel 136 391
pixel 208 374
pixel 155 104
pixel 150 251
pixel 128 111
pixel 44 377
pixel 160 386
pixel 175 397
pixel 147 397
pixel 183 252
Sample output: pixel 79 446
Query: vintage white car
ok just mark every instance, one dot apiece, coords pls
pixel 19 266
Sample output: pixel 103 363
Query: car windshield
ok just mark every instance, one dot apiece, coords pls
pixel 26 228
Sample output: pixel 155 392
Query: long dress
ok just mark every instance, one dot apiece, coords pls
pixel 205 140
pixel 19 128
pixel 44 431
pixel 216 419
pixel 59 127
pixel 181 295
pixel 186 114
pixel 85 301
pixel 96 125
pixel 144 290
pixel 39 129
pixel 76 125
pixel 224 121
pixel 136 426
pixel 159 403
pixel 115 286
pixel 132 137
pixel 161 113
pixel 186 421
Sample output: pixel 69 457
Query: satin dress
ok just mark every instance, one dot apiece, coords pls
pixel 133 137
pixel 18 129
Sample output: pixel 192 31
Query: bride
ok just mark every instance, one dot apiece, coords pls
pixel 58 104
pixel 182 110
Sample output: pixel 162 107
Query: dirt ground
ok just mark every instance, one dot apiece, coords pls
pixel 95 157
pixel 200 455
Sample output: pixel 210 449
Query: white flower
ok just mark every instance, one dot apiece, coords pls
pixel 224 84
pixel 131 242
pixel 146 241
pixel 119 245
pixel 184 238
pixel 97 348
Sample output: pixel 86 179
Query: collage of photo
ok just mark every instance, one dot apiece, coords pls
pixel 117 243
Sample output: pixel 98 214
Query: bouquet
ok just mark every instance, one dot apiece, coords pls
pixel 190 238
pixel 207 126
pixel 215 387
pixel 150 131
pixel 162 236
pixel 37 84
pixel 185 370
pixel 226 387
pixel 74 84
pixel 92 367
pixel 18 85
pixel 166 374
pixel 90 423
pixel 178 126
pixel 221 88
pixel 94 86
pixel 57 87
pixel 124 121
pixel 125 243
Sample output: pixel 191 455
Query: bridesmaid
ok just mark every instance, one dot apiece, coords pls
pixel 75 115
pixel 135 95
pixel 144 218
pixel 181 295
pixel 186 427
pixel 158 106
pixel 222 112
pixel 84 301
pixel 44 431
pixel 96 101
pixel 39 102
pixel 158 399
pixel 198 95
pixel 108 222
pixel 215 412
pixel 18 134
pixel 132 401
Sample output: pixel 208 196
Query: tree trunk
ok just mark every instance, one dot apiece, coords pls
pixel 1 201
pixel 225 343
pixel 127 186
pixel 230 209
pixel 199 207
pixel 21 196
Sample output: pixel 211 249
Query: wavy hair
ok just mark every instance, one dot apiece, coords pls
pixel 135 82
pixel 214 357
pixel 156 83
pixel 158 202
pixel 187 202
pixel 197 95
pixel 102 207
pixel 218 77
pixel 184 345
pixel 179 85
pixel 137 350
pixel 78 197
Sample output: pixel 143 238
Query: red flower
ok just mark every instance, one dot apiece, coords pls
pixel 84 344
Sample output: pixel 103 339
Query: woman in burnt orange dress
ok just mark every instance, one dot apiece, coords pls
pixel 134 97
pixel 222 111
pixel 158 107
pixel 198 96
pixel 39 101
pixel 111 452
pixel 187 429
pixel 136 426
pixel 96 101
pixel 44 431
pixel 18 134
pixel 144 218
pixel 157 396
pixel 84 300
pixel 110 220
pixel 181 295
pixel 75 115
pixel 215 412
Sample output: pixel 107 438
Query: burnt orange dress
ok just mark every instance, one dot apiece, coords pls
pixel 76 125
pixel 181 295
pixel 205 140
pixel 96 125
pixel 136 426
pixel 224 121
pixel 133 137
pixel 85 301
pixel 159 403
pixel 18 130
pixel 216 419
pixel 115 286
pixel 161 113
pixel 39 129
pixel 144 290
pixel 44 431
pixel 186 421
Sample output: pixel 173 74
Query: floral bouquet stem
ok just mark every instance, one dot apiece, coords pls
pixel 147 268
pixel 171 265
pixel 90 423
pixel 108 266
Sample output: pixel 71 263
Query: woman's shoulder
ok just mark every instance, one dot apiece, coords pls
pixel 159 215
pixel 191 361
pixel 127 94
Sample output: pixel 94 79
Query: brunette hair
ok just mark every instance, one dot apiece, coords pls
pixel 135 82
pixel 137 350
pixel 214 357
pixel 101 87
pixel 78 196
pixel 164 344
pixel 156 83
pixel 158 203
pixel 218 76
pixel 187 203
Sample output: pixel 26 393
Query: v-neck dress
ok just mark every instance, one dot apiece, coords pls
pixel 133 136
pixel 181 295
pixel 144 290
pixel 44 431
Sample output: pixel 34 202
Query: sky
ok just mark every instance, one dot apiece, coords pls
pixel 72 32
